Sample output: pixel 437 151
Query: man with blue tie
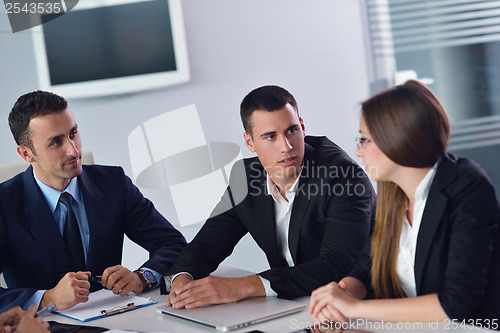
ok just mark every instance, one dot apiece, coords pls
pixel 62 224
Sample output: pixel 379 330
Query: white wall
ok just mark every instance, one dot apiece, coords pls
pixel 313 48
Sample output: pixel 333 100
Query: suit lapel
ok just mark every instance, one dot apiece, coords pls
pixel 300 204
pixel 267 224
pixel 299 209
pixel 430 222
pixel 432 216
pixel 98 219
pixel 263 208
pixel 40 221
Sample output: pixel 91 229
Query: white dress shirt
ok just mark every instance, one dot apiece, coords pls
pixel 409 235
pixel 282 214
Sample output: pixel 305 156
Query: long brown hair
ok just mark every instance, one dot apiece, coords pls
pixel 410 126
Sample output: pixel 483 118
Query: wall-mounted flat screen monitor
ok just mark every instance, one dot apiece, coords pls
pixel 106 47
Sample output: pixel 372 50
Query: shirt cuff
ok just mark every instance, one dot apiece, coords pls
pixel 267 286
pixel 172 277
pixel 35 299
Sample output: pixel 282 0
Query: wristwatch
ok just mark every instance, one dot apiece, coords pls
pixel 147 277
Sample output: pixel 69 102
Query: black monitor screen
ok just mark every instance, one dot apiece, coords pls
pixel 110 42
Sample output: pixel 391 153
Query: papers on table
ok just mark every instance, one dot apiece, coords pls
pixel 104 303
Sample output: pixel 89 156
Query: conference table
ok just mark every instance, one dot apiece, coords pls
pixel 147 319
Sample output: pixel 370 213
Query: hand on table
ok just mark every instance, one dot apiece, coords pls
pixel 121 280
pixel 11 317
pixel 212 290
pixel 72 289
pixel 180 281
pixel 26 321
pixel 332 302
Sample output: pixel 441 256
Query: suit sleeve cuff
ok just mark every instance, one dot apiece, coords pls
pixel 267 286
pixel 35 299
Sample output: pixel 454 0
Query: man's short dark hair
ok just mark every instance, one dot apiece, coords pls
pixel 29 106
pixel 267 98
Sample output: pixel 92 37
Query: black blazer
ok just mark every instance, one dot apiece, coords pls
pixel 32 250
pixel 330 222
pixel 458 245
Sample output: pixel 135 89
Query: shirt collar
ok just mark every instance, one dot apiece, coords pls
pixel 273 190
pixel 52 195
pixel 424 187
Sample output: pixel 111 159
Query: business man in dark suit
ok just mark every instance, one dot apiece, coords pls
pixel 308 206
pixel 44 261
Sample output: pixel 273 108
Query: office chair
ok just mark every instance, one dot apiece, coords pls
pixel 9 170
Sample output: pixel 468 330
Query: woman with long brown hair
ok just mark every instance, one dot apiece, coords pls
pixel 435 251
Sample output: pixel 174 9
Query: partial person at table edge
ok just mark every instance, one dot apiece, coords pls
pixel 17 320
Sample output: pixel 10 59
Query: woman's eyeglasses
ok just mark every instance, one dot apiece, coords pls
pixel 360 142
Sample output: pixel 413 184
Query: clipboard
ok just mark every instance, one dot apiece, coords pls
pixel 104 303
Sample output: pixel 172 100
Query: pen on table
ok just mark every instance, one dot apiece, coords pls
pixel 45 310
pixel 40 312
pixel 93 278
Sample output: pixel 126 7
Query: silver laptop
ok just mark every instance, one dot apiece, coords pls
pixel 231 316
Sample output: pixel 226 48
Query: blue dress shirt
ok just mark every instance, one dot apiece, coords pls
pixel 59 211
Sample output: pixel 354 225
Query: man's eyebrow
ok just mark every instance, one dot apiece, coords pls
pixel 263 135
pixel 52 138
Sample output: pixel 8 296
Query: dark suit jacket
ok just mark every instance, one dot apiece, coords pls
pixel 329 225
pixel 458 245
pixel 32 251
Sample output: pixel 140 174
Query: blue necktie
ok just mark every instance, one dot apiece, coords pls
pixel 71 234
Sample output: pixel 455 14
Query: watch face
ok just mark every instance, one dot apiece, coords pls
pixel 149 276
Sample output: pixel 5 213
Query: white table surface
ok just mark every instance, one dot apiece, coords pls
pixel 147 319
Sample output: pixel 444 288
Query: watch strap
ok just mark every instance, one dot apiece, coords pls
pixel 149 283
